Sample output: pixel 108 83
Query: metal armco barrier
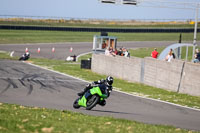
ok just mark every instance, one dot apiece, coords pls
pixel 76 29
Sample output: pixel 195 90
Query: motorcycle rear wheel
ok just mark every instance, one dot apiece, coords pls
pixel 92 101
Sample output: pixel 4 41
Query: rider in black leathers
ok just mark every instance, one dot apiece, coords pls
pixel 25 56
pixel 104 85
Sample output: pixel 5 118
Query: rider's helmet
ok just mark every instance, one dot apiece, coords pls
pixel 109 80
pixel 27 54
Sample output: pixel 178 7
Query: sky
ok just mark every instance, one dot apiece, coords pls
pixel 94 9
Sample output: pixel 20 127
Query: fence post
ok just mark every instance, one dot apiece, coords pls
pixel 179 85
pixel 142 71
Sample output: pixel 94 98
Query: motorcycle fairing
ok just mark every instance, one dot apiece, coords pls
pixel 82 101
pixel 97 90
pixel 93 91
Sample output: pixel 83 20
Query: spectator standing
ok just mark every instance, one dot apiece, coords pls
pixel 126 53
pixel 120 52
pixel 103 45
pixel 196 56
pixel 109 51
pixel 154 53
pixel 116 52
pixel 169 56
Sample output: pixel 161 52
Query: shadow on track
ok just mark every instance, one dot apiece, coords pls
pixel 113 112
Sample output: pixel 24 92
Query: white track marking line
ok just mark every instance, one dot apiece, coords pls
pixel 57 72
pixel 81 55
pixel 115 90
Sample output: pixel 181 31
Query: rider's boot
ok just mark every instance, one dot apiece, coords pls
pixel 102 103
pixel 81 93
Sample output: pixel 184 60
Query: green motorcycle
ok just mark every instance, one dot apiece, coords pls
pixel 91 98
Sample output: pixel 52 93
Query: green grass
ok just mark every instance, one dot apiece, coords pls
pixel 18 119
pixel 190 52
pixel 28 36
pixel 153 36
pixel 5 55
pixel 144 52
pixel 85 57
pixel 31 36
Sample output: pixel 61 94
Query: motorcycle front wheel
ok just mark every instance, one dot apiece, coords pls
pixel 92 101
pixel 75 105
pixel 21 58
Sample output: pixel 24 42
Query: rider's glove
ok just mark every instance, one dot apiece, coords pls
pixel 88 85
pixel 93 84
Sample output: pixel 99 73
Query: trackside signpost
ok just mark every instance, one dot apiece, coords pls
pixel 101 43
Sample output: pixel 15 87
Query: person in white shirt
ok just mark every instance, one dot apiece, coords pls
pixel 169 57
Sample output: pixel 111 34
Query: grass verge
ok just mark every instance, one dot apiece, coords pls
pixel 144 52
pixel 31 36
pixel 18 119
pixel 5 55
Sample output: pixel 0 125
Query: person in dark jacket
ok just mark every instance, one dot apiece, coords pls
pixel 196 56
pixel 25 56
pixel 104 85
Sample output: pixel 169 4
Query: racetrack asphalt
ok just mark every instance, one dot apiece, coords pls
pixel 28 85
pixel 62 50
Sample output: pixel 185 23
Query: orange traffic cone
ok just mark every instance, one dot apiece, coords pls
pixel 26 50
pixel 53 50
pixel 38 50
pixel 71 49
